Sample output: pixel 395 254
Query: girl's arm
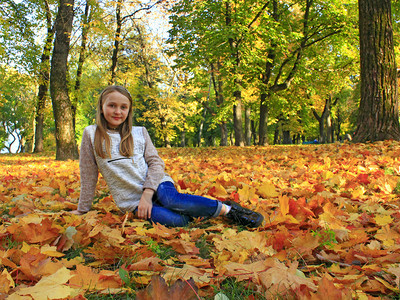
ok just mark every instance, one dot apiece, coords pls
pixel 155 173
pixel 89 174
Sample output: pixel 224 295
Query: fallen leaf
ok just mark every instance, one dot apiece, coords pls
pixel 50 287
pixel 158 290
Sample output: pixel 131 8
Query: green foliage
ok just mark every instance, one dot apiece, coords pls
pixel 260 44
pixel 397 188
pixel 162 251
pixel 327 237
pixel 204 247
pixel 109 296
pixel 215 48
pixel 232 289
pixel 8 243
pixel 16 106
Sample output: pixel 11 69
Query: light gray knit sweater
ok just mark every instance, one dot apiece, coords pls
pixel 126 177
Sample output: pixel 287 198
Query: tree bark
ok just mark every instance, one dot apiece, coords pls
pixel 378 117
pixel 81 61
pixel 237 95
pixel 238 119
pixel 326 136
pixel 219 98
pixel 247 125
pixel 262 127
pixel 62 110
pixel 117 38
pixel 44 78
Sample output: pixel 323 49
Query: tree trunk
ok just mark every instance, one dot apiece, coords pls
pixel 262 127
pixel 323 136
pixel 219 98
pixel 321 123
pixel 237 94
pixel 247 126
pixel 254 132
pixel 339 125
pixel 238 119
pixel 65 134
pixel 224 134
pixel 276 133
pixel 378 117
pixel 44 74
pixel 287 140
pixel 82 56
pixel 183 139
pixel 117 38
pixel 201 127
pixel 329 131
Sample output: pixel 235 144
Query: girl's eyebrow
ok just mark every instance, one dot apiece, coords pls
pixel 115 102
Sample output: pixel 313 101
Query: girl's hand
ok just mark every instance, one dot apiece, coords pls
pixel 76 212
pixel 145 204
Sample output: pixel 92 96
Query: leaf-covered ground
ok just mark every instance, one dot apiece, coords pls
pixel 332 228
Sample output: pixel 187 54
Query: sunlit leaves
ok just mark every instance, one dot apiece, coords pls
pixel 331 227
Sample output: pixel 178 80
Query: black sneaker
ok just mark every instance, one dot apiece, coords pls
pixel 243 216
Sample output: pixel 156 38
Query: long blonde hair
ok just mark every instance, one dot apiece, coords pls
pixel 126 145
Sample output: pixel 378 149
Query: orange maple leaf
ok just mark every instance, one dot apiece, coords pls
pixel 42 233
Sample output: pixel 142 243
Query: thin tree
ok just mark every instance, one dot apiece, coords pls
pixel 44 77
pixel 62 108
pixel 86 18
pixel 120 20
pixel 278 76
pixel 378 117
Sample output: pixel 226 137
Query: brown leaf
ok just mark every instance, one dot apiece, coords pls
pixel 158 290
pixel 328 291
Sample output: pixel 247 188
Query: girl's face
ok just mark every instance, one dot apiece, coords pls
pixel 115 109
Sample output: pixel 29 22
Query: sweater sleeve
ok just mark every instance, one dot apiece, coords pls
pixel 156 166
pixel 89 173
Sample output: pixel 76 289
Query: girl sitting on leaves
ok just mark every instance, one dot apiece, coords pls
pixel 134 172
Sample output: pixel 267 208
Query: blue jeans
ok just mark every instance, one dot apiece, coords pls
pixel 172 208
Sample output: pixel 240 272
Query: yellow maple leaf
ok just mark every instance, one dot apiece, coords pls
pixel 358 192
pixel 26 247
pixel 51 251
pixel 284 205
pixel 247 193
pixel 327 175
pixel 267 190
pixel 218 190
pixel 62 187
pixel 383 220
pixel 50 287
pixel 6 282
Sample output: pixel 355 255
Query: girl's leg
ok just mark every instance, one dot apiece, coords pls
pixel 186 204
pixel 167 217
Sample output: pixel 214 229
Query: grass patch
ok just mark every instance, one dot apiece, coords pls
pixel 162 251
pixel 237 290
pixel 204 247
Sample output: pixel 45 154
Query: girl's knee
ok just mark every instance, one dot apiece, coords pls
pixel 166 191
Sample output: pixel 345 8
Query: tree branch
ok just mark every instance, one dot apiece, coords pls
pixel 139 10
